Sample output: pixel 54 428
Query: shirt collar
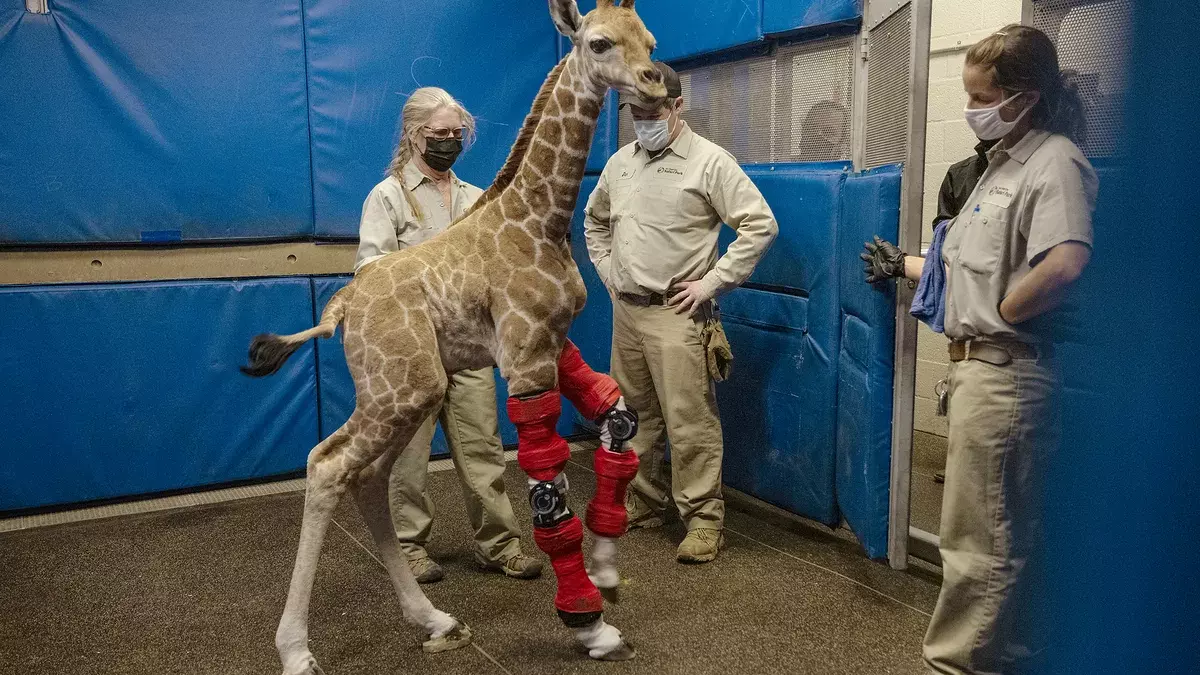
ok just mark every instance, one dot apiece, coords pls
pixel 681 146
pixel 1025 147
pixel 413 177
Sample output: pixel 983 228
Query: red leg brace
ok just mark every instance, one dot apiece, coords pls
pixel 541 452
pixel 606 515
pixel 590 392
pixel 563 543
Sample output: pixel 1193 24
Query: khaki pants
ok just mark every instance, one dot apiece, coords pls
pixel 659 363
pixel 1004 426
pixel 468 418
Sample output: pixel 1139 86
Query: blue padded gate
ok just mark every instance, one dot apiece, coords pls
pixel 115 390
pixel 870 206
pixel 784 329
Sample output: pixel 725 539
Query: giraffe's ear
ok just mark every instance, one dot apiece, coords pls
pixel 628 4
pixel 566 16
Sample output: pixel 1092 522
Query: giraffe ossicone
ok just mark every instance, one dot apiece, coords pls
pixel 498 287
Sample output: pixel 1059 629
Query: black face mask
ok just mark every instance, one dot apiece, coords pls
pixel 440 155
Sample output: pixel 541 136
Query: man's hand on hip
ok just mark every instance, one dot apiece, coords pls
pixel 689 297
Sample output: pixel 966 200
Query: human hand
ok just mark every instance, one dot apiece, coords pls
pixel 883 261
pixel 689 297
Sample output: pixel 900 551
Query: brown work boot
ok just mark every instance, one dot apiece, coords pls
pixel 701 545
pixel 425 569
pixel 516 566
pixel 641 517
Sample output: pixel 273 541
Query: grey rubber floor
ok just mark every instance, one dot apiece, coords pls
pixel 929 457
pixel 200 591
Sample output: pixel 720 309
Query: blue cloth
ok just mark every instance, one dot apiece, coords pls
pixel 929 302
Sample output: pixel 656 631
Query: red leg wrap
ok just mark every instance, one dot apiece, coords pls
pixel 563 543
pixel 590 392
pixel 606 514
pixel 541 452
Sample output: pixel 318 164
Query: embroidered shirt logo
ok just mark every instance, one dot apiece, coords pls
pixel 670 169
pixel 1002 191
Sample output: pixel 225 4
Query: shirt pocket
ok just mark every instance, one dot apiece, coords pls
pixel 658 201
pixel 983 241
pixel 619 197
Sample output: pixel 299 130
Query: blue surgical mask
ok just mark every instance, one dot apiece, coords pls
pixel 654 135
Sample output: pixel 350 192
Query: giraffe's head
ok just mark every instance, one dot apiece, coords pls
pixel 613 47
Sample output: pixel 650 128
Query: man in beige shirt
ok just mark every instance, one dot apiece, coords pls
pixel 651 228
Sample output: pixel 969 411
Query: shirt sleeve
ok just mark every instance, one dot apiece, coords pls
pixel 947 206
pixel 1063 199
pixel 741 206
pixel 377 231
pixel 597 228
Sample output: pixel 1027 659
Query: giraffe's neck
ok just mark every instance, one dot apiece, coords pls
pixel 549 177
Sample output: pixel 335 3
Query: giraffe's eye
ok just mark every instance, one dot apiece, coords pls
pixel 600 45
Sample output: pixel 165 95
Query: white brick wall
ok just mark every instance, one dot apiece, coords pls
pixel 957 24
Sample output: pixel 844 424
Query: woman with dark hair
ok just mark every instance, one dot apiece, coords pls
pixel 1021 240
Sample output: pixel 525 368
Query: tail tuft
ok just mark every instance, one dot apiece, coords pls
pixel 267 354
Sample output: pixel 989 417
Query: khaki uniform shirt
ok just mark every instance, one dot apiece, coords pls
pixel 653 222
pixel 388 223
pixel 1033 197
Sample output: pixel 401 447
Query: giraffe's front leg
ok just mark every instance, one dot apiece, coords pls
pixel 543 454
pixel 598 398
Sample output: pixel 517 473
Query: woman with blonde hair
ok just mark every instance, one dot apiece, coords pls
pixel 417 200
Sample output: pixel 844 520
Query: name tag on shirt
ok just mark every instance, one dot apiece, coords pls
pixel 1000 195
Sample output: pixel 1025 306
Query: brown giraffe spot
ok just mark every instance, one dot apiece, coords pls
pixel 565 100
pixel 513 207
pixel 541 158
pixel 551 131
pixel 538 197
pixel 578 134
pixel 589 108
pixel 516 247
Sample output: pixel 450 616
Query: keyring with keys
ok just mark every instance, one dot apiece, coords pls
pixel 942 389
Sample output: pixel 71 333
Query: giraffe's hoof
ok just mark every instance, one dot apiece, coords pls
pixel 459 636
pixel 623 652
pixel 308 667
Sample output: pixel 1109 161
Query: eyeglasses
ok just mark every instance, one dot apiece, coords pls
pixel 445 134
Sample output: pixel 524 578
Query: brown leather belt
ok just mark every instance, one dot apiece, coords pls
pixel 997 352
pixel 645 300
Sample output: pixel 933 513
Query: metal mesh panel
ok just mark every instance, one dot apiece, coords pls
pixel 790 107
pixel 888 65
pixel 1093 40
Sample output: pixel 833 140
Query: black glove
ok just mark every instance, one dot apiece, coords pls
pixel 883 259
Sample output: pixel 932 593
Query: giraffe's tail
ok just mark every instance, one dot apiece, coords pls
pixel 268 351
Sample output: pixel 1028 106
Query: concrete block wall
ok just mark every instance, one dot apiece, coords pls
pixel 956 25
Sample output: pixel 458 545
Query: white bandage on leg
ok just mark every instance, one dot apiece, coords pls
pixel 603 570
pixel 599 638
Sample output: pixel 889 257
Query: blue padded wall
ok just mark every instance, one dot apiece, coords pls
pixel 124 123
pixel 782 16
pixel 366 56
pixel 112 390
pixel 337 389
pixel 870 206
pixel 785 344
pixel 687 28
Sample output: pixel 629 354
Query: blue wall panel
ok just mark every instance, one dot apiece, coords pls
pixel 785 347
pixel 337 389
pixel 366 56
pixel 123 122
pixel 781 16
pixel 870 205
pixel 686 28
pixel 111 390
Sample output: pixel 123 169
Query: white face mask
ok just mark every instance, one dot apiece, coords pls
pixel 987 123
pixel 654 135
